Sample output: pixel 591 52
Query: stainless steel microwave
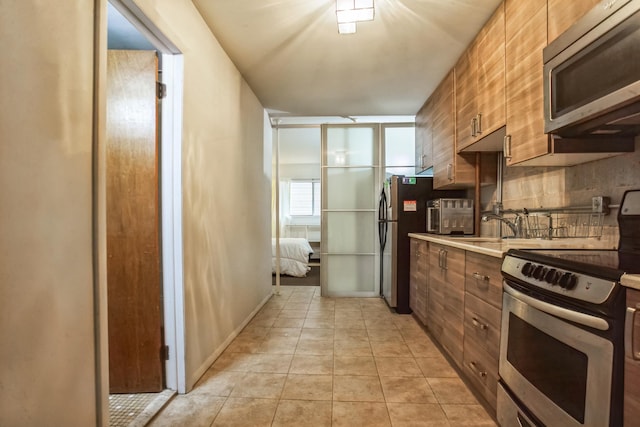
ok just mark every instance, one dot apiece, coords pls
pixel 592 74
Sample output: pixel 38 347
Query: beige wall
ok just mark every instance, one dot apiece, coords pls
pixel 47 372
pixel 47 359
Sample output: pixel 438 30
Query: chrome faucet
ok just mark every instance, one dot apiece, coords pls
pixel 515 227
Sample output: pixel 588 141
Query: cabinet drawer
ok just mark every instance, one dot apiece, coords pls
pixel 483 278
pixel 481 369
pixel 482 324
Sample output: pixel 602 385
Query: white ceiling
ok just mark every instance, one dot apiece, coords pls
pixel 292 56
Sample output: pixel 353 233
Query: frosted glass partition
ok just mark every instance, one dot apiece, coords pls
pixel 347 146
pixel 350 275
pixel 399 146
pixel 351 232
pixel 350 188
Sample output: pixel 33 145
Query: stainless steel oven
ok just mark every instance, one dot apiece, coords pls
pixel 561 353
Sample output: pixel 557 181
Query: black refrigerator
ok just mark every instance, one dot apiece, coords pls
pixel 402 210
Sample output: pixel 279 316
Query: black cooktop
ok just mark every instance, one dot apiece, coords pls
pixel 609 264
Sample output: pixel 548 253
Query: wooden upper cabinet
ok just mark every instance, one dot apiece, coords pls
pixel 491 68
pixel 562 14
pixel 450 170
pixel 424 137
pixel 466 90
pixel 480 94
pixel 526 36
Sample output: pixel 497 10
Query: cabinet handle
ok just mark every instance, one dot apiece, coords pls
pixel 629 332
pixel 450 172
pixel 478 324
pixel 506 148
pixel 479 122
pixel 473 127
pixel 480 277
pixel 444 259
pixel 474 367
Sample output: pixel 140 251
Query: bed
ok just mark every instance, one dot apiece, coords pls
pixel 294 256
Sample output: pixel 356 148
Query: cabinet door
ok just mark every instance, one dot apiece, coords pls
pixel 562 14
pixel 454 303
pixel 526 36
pixel 490 47
pixel 465 92
pixel 424 137
pixel 447 274
pixel 418 268
pixel 632 366
pixel 483 277
pixel 435 299
pixel 450 170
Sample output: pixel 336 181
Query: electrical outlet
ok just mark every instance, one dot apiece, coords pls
pixel 600 204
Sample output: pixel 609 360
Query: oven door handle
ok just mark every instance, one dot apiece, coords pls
pixel 563 313
pixel 629 333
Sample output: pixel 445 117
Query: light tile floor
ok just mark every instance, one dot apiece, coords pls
pixel 310 361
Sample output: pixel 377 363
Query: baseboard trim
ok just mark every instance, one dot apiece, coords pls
pixel 204 367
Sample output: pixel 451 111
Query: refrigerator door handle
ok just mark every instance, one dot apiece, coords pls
pixel 382 207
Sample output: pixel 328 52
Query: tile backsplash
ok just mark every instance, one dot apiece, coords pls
pixel 550 187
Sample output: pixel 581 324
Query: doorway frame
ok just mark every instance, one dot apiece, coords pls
pixel 170 201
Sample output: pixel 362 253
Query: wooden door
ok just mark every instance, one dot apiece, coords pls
pixel 133 263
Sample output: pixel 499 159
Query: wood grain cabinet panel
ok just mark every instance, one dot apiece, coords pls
pixel 424 137
pixel 482 318
pixel 526 36
pixel 483 278
pixel 450 170
pixel 480 84
pixel 491 74
pixel 481 370
pixel 418 276
pixel 562 14
pixel 447 275
pixel 466 91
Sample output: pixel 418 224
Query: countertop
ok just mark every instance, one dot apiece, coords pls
pixel 495 247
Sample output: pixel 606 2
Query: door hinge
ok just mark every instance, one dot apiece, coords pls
pixel 161 90
pixel 165 352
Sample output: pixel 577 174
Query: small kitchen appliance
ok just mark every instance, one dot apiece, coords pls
pixel 450 216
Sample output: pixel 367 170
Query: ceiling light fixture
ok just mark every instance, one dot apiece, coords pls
pixel 349 12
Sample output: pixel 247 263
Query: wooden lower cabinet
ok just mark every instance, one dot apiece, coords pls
pixel 483 314
pixel 483 277
pixel 463 308
pixel 446 289
pixel 482 346
pixel 418 277
pixel 632 366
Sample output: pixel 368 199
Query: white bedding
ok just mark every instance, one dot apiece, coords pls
pixel 294 256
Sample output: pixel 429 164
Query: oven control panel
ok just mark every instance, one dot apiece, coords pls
pixel 569 283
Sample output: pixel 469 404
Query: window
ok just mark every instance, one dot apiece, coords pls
pixel 304 198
